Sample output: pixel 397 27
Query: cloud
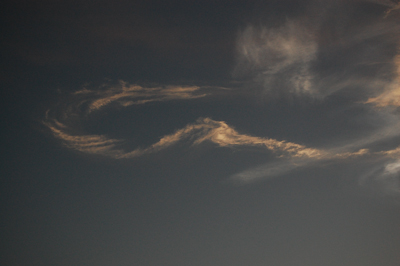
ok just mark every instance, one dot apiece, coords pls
pixel 384 179
pixel 390 177
pixel 391 94
pixel 268 170
pixel 127 94
pixel 64 122
pixel 225 136
pixel 391 4
pixel 92 144
pixel 63 125
pixel 357 62
pixel 396 7
pixel 364 147
pixel 320 53
pixel 278 58
pixel 291 155
pixel 205 129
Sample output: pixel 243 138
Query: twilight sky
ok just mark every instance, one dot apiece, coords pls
pixel 178 133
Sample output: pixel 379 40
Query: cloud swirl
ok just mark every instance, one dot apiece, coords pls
pixel 293 59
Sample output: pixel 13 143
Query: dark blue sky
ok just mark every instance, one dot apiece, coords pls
pixel 207 133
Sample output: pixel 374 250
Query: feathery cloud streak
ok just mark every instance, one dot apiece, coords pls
pixel 278 58
pixel 124 95
pixel 391 94
pixel 127 94
pixel 203 130
pixel 295 58
pixel 84 102
pixel 304 57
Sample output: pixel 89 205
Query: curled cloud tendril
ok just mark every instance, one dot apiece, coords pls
pixel 288 59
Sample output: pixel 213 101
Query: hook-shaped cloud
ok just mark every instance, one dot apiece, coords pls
pixel 85 102
pixel 287 58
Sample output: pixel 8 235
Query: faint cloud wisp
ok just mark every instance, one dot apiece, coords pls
pixel 278 58
pixel 298 58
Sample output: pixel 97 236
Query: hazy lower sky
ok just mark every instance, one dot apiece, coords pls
pixel 200 133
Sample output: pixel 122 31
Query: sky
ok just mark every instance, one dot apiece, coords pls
pixel 200 133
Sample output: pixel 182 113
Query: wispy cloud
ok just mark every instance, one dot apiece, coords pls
pixel 225 136
pixel 84 102
pixel 391 93
pixel 268 170
pixel 384 178
pixel 318 59
pixel 389 177
pixel 92 144
pixel 391 4
pixel 297 58
pixel 205 129
pixel 396 7
pixel 291 155
pixel 63 121
pixel 279 58
pixel 129 94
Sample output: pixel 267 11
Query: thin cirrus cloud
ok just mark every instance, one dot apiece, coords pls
pixel 298 59
pixel 383 178
pixel 391 94
pixel 290 155
pixel 203 130
pixel 278 58
pixel 128 94
pixel 63 126
pixel 85 102
pixel 295 58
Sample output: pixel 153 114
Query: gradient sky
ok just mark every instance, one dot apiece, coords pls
pixel 200 133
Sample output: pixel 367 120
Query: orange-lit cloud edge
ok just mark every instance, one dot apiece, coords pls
pixel 203 130
pixel 292 50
